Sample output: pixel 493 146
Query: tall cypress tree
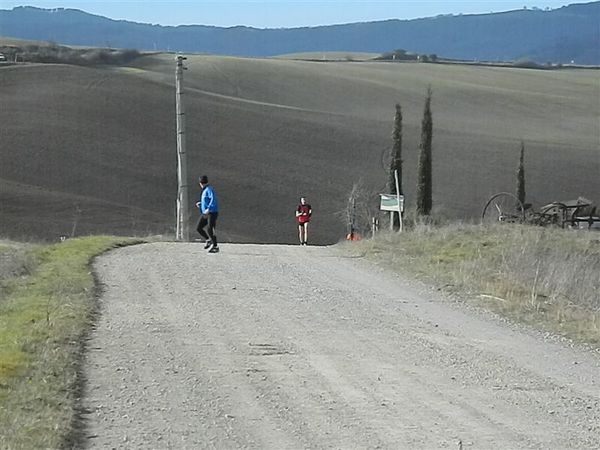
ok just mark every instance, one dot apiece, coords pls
pixel 396 161
pixel 521 176
pixel 424 173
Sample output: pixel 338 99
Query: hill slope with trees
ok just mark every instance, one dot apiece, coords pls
pixel 92 150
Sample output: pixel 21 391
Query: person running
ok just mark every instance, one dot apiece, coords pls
pixel 209 211
pixel 303 215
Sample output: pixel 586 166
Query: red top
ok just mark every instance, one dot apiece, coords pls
pixel 305 213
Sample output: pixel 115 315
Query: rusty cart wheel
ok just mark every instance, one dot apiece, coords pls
pixel 503 207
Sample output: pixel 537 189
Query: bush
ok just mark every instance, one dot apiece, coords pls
pixel 398 55
pixel 527 64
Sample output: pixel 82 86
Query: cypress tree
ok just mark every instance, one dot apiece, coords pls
pixel 396 161
pixel 424 172
pixel 521 176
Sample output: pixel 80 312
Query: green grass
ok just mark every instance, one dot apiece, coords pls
pixel 43 319
pixel 547 278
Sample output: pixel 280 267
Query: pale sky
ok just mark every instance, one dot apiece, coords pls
pixel 281 13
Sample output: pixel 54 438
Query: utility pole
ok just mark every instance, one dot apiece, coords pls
pixel 400 206
pixel 182 233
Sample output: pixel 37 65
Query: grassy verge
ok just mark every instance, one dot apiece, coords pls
pixel 44 315
pixel 15 259
pixel 548 278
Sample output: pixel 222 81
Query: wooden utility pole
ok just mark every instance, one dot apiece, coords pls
pixel 400 206
pixel 399 203
pixel 182 232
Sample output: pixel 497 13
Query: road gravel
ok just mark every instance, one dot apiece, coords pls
pixel 289 347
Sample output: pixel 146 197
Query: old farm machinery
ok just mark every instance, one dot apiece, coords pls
pixel 505 207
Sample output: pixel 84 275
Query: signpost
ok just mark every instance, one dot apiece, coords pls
pixel 393 203
pixel 390 202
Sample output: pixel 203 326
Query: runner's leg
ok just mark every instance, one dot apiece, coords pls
pixel 200 228
pixel 212 223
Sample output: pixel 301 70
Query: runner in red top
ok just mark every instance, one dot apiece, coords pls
pixel 303 214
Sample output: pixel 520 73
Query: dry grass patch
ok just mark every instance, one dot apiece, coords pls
pixel 549 278
pixel 43 318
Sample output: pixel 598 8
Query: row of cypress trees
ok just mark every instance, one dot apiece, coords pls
pixel 424 169
pixel 424 192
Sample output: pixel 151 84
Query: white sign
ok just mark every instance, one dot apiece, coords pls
pixel 393 203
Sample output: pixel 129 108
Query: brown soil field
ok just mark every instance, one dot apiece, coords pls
pixel 92 150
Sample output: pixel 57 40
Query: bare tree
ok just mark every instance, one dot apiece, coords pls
pixel 361 206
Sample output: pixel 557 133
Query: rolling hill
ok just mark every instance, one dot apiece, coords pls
pixel 570 33
pixel 92 149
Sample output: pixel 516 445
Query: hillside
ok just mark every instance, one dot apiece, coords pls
pixel 94 148
pixel 563 35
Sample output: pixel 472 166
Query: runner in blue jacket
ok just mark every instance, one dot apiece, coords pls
pixel 209 211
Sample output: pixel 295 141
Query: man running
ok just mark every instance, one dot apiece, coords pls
pixel 303 215
pixel 209 211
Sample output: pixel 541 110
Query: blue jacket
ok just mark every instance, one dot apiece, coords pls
pixel 208 200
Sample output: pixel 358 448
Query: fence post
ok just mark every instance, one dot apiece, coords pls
pixel 374 226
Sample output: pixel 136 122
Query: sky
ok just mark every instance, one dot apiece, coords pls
pixel 281 13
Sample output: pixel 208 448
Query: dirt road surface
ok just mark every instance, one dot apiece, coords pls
pixel 289 347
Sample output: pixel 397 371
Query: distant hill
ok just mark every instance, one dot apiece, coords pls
pixel 570 33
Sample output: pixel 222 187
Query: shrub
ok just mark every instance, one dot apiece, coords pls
pixel 66 55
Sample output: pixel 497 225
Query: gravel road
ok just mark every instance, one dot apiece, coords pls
pixel 289 347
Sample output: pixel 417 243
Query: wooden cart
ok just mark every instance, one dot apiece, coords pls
pixel 505 207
